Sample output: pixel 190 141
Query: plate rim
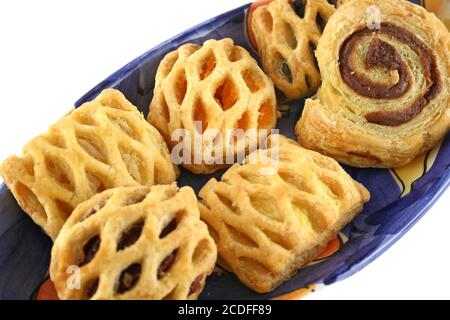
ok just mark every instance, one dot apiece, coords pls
pixel 130 66
pixel 424 203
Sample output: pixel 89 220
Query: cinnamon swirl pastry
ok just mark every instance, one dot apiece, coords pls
pixel 385 93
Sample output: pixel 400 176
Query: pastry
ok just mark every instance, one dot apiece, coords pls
pixel 385 97
pixel 134 243
pixel 105 143
pixel 286 34
pixel 268 226
pixel 219 85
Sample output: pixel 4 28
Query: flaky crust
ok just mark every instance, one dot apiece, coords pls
pixel 355 129
pixel 141 243
pixel 287 33
pixel 105 143
pixel 268 226
pixel 219 84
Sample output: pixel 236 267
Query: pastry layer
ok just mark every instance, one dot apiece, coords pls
pixel 135 243
pixel 105 143
pixel 269 221
pixel 217 87
pixel 287 33
pixel 385 96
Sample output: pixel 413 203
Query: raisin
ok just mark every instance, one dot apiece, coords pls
pixel 166 264
pixel 130 236
pixel 90 250
pixel 196 285
pixel 91 288
pixel 171 226
pixel 299 7
pixel 286 71
pixel 129 277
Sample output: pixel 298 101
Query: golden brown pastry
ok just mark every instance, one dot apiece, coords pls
pixel 105 143
pixel 286 34
pixel 218 84
pixel 385 96
pixel 135 243
pixel 268 226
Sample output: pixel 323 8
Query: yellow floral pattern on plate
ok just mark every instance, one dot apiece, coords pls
pixel 406 176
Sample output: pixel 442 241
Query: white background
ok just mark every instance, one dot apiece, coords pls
pixel 51 52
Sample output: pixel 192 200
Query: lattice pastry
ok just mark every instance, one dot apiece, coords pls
pixel 219 85
pixel 105 143
pixel 134 243
pixel 286 34
pixel 385 96
pixel 268 226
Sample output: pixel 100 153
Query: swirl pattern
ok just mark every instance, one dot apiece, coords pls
pixel 385 93
pixel 381 54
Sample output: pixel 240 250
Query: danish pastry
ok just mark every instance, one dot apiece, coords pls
pixel 105 143
pixel 286 34
pixel 385 96
pixel 137 243
pixel 268 226
pixel 218 85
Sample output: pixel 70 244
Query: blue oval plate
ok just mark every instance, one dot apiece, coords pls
pixel 400 197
